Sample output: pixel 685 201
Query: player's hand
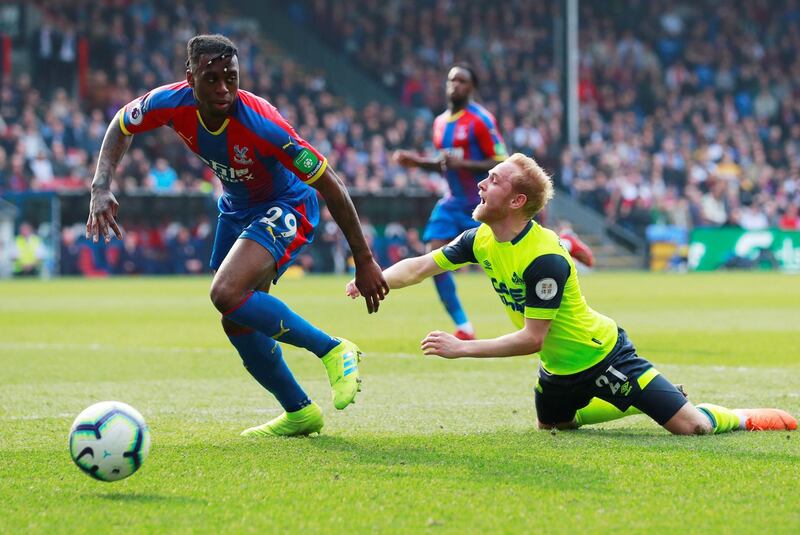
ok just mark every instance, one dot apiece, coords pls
pixel 370 283
pixel 442 344
pixel 103 208
pixel 450 162
pixel 351 290
pixel 406 158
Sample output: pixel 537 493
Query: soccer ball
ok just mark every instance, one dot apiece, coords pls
pixel 109 440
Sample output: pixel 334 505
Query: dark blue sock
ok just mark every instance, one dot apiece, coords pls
pixel 446 286
pixel 263 358
pixel 272 317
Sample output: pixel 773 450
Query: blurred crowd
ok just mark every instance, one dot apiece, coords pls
pixel 50 135
pixel 154 248
pixel 690 113
pixel 51 132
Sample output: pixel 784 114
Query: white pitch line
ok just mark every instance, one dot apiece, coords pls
pixel 51 346
pixel 48 346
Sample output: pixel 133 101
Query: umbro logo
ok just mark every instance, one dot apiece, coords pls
pixel 487 265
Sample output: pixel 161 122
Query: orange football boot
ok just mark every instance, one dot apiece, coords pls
pixel 768 419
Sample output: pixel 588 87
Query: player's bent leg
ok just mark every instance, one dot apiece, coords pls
pixel 600 411
pixel 667 405
pixel 556 407
pixel 688 421
pixel 249 265
pixel 303 422
pixel 270 316
pixel 660 398
pixel 720 419
pixel 263 359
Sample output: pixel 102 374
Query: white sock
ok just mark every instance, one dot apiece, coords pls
pixel 466 327
pixel 742 422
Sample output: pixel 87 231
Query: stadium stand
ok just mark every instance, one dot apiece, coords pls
pixel 688 114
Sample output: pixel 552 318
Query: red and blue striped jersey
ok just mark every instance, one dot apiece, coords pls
pixel 470 134
pixel 256 154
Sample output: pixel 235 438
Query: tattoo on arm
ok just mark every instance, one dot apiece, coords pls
pixel 115 144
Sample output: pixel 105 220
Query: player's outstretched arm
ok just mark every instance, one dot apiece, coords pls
pixel 103 205
pixel 408 158
pixel 369 279
pixel 525 341
pixel 404 273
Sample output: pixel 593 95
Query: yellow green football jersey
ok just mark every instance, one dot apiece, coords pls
pixel 535 278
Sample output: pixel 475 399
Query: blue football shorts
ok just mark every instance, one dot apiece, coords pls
pixel 449 218
pixel 282 228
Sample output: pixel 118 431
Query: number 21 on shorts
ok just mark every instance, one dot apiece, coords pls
pixel 603 380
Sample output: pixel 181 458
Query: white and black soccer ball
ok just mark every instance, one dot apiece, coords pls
pixel 109 440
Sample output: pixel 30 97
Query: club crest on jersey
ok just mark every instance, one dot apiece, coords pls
pixel 461 133
pixel 240 155
pixel 546 289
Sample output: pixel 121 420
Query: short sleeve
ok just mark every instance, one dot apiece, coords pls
pixel 294 152
pixel 151 110
pixel 545 279
pixel 458 252
pixel 489 139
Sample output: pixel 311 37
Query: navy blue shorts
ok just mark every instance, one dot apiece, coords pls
pixel 282 228
pixel 449 218
pixel 623 379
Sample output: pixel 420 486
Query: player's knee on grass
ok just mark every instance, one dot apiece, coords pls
pixel 666 404
pixel 688 421
pixel 563 425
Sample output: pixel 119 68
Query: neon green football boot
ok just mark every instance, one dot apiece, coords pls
pixel 290 424
pixel 341 363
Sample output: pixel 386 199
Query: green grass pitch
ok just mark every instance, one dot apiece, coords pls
pixel 431 446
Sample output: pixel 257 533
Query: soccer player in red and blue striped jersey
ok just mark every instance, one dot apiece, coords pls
pixel 267 214
pixel 469 144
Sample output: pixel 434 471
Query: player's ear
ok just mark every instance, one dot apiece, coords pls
pixel 189 78
pixel 518 200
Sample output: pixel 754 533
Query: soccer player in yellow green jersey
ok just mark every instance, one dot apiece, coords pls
pixel 589 370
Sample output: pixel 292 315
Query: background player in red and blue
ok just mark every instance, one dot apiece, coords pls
pixel 267 214
pixel 469 144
